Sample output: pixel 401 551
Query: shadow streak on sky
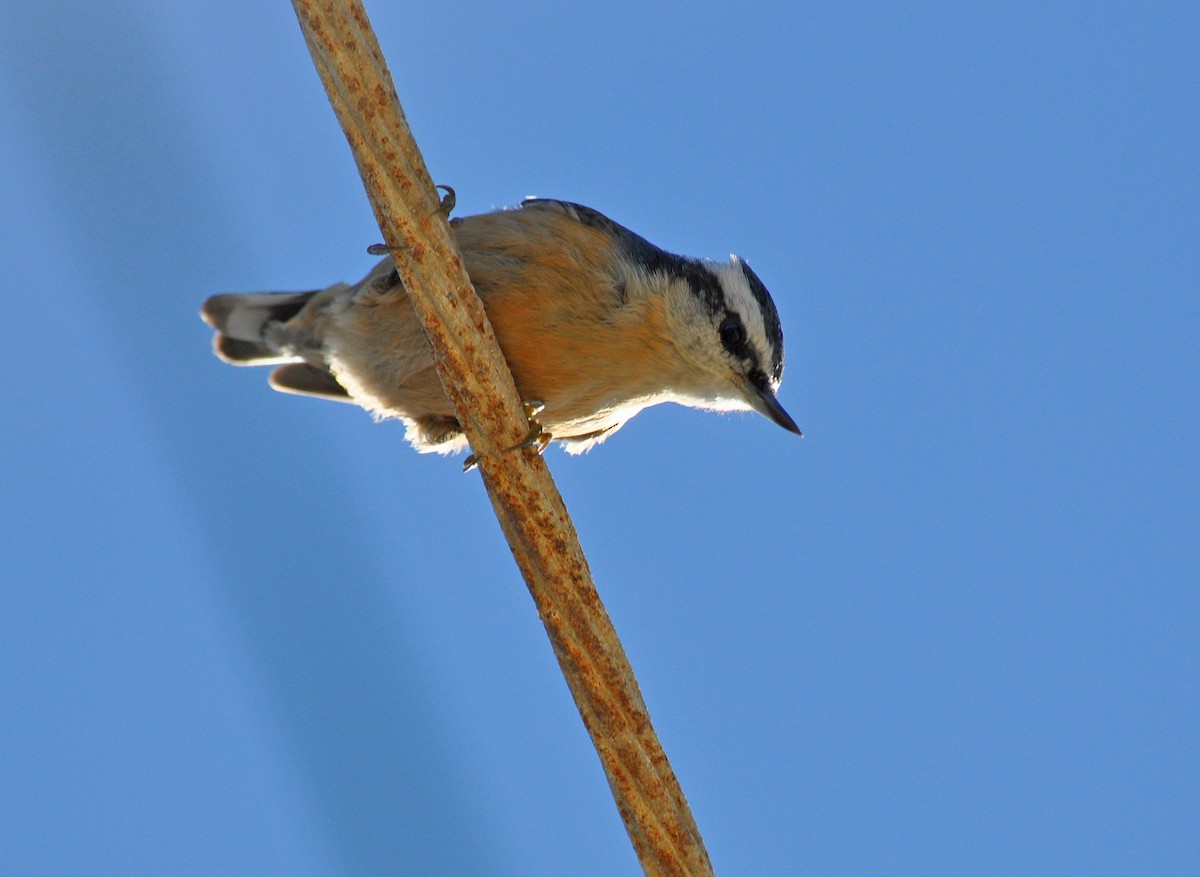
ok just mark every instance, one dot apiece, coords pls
pixel 315 612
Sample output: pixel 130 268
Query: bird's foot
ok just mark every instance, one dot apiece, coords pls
pixel 537 437
pixel 445 207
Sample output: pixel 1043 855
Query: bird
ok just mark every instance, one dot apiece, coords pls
pixel 595 322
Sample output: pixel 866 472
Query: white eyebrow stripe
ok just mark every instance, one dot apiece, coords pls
pixel 742 300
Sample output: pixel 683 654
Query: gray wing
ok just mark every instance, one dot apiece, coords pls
pixel 652 259
pixel 636 247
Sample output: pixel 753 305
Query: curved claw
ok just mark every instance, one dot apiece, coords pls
pixel 537 438
pixel 446 207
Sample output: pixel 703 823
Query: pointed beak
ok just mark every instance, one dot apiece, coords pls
pixel 764 402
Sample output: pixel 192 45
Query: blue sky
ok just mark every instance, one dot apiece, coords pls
pixel 952 631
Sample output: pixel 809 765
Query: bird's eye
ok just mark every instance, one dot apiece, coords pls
pixel 733 335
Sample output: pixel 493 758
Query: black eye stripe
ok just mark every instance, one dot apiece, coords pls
pixel 770 317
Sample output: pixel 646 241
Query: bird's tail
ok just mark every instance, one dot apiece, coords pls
pixel 241 321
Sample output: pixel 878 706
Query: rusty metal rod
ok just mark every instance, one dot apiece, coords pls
pixel 476 377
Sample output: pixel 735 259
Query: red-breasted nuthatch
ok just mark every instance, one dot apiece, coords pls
pixel 595 321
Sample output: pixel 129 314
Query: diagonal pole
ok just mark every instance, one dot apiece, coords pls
pixel 527 504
